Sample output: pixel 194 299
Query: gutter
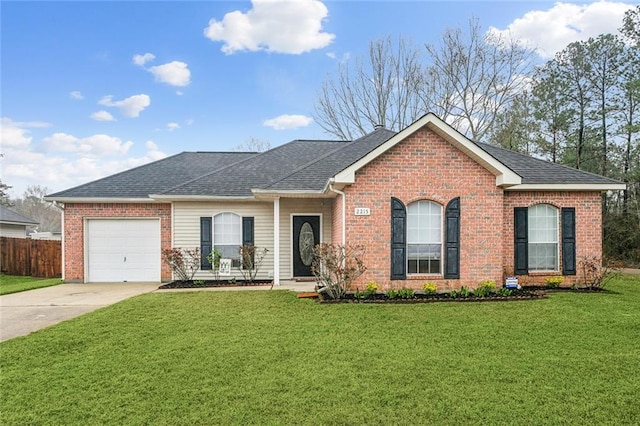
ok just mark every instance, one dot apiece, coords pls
pixel 344 210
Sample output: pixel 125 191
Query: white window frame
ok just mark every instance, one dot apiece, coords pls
pixel 556 242
pixel 236 259
pixel 441 222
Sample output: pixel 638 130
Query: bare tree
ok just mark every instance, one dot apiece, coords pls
pixel 472 76
pixel 382 89
pixel 33 205
pixel 253 145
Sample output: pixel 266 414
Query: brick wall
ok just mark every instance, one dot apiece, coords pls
pixel 75 213
pixel 426 167
pixel 588 227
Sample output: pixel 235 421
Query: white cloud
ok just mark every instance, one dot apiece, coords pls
pixel 172 126
pixel 141 60
pixel 129 107
pixel 96 145
pixel 286 121
pixel 549 31
pixel 179 92
pixel 66 160
pixel 102 116
pixel 174 73
pixel 279 26
pixel 76 95
pixel 189 121
pixel 15 134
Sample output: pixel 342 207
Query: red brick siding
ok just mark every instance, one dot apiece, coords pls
pixel 426 167
pixel 588 227
pixel 75 213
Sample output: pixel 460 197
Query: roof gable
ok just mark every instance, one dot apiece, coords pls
pixel 504 175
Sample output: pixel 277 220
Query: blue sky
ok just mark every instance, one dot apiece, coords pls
pixel 93 88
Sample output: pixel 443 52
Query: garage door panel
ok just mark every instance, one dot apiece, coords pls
pixel 123 250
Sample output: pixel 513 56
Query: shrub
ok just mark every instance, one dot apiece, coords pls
pixel 596 273
pixel 429 288
pixel 336 267
pixel 392 294
pixel 554 282
pixel 486 288
pixel 214 259
pixel 406 293
pixel 462 293
pixel 252 259
pixel 504 291
pixel 372 287
pixel 184 262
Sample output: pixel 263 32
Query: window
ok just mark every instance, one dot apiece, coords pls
pixel 227 236
pixel 543 238
pixel 424 238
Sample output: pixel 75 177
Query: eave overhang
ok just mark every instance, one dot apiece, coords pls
pixel 599 187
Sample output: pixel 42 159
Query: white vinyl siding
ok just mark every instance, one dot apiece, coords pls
pixel 186 222
pixel 186 232
pixel 543 238
pixel 13 231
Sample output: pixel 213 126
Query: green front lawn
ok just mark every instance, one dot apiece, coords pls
pixel 14 283
pixel 266 357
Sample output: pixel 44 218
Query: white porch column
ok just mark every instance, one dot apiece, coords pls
pixel 276 241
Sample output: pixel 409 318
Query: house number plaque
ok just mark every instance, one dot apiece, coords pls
pixel 363 211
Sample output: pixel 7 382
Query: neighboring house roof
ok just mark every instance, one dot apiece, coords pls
pixel 8 216
pixel 307 167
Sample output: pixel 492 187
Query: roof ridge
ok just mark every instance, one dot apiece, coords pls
pixel 304 166
pixel 530 157
pixel 122 172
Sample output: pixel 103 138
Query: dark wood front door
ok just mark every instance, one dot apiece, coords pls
pixel 306 234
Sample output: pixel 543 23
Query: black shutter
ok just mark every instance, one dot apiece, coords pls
pixel 247 235
pixel 398 240
pixel 568 241
pixel 452 243
pixel 205 242
pixel 521 249
pixel 247 231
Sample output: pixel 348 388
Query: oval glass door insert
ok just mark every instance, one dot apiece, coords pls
pixel 306 243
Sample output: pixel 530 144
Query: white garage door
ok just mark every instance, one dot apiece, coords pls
pixel 120 250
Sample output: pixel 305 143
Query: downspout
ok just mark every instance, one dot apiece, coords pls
pixel 344 210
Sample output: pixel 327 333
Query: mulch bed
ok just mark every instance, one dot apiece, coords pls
pixel 214 283
pixel 441 297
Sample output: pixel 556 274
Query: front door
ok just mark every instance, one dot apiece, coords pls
pixel 306 234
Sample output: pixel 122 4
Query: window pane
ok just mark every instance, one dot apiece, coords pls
pixel 543 238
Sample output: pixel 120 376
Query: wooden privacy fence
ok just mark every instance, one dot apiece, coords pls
pixel 27 257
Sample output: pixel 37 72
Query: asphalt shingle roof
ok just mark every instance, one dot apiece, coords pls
pixel 300 165
pixel 155 177
pixel 314 176
pixel 258 171
pixel 534 170
pixel 8 215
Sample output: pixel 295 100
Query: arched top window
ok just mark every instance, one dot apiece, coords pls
pixel 424 238
pixel 227 235
pixel 543 237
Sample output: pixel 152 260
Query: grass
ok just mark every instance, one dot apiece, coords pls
pixel 266 357
pixel 14 284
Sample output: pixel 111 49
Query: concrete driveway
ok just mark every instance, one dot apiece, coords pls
pixel 25 312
